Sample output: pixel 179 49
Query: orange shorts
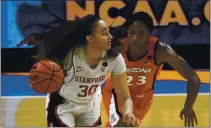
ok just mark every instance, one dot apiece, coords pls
pixel 142 105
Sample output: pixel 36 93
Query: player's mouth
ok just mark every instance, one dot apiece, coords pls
pixel 109 43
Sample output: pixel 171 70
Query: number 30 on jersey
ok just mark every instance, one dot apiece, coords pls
pixel 141 80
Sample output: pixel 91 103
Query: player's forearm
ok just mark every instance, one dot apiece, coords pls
pixel 193 86
pixel 127 106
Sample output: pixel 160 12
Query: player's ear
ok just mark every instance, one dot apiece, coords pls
pixel 88 38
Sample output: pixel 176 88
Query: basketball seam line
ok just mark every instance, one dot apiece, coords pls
pixel 41 81
pixel 46 73
pixel 51 79
pixel 49 68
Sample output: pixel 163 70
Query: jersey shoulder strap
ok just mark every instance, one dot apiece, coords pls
pixel 152 46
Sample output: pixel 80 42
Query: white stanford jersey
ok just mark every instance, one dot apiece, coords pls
pixel 82 84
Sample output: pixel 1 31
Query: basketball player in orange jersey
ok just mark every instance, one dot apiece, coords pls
pixel 144 56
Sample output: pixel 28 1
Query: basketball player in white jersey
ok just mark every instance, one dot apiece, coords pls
pixel 87 54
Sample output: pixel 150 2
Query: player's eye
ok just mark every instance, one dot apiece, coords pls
pixel 105 33
pixel 132 32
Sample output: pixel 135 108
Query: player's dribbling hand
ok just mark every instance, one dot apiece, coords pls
pixel 190 117
pixel 129 118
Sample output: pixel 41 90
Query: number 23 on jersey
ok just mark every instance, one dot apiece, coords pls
pixel 141 80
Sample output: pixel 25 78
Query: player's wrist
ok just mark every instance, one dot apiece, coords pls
pixel 188 105
pixel 127 113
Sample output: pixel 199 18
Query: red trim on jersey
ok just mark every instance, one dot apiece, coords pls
pixel 97 122
pixel 57 116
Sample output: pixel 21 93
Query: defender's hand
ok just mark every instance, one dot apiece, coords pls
pixel 129 118
pixel 190 117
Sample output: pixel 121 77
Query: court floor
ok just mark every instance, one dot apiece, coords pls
pixel 164 111
pixel 23 107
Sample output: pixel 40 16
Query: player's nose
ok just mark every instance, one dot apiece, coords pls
pixel 110 36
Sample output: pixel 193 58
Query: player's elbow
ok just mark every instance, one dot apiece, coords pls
pixel 195 79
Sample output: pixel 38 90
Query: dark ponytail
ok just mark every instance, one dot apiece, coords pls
pixel 56 44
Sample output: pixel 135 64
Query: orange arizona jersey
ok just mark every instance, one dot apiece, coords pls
pixel 141 75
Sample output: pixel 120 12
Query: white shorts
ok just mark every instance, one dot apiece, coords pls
pixel 72 114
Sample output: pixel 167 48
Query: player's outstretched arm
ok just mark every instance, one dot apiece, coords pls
pixel 119 83
pixel 166 54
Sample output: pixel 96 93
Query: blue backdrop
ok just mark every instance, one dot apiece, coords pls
pixel 18 14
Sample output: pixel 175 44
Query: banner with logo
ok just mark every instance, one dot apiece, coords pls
pixel 176 22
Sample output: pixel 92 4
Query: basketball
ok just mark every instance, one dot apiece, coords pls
pixel 46 76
